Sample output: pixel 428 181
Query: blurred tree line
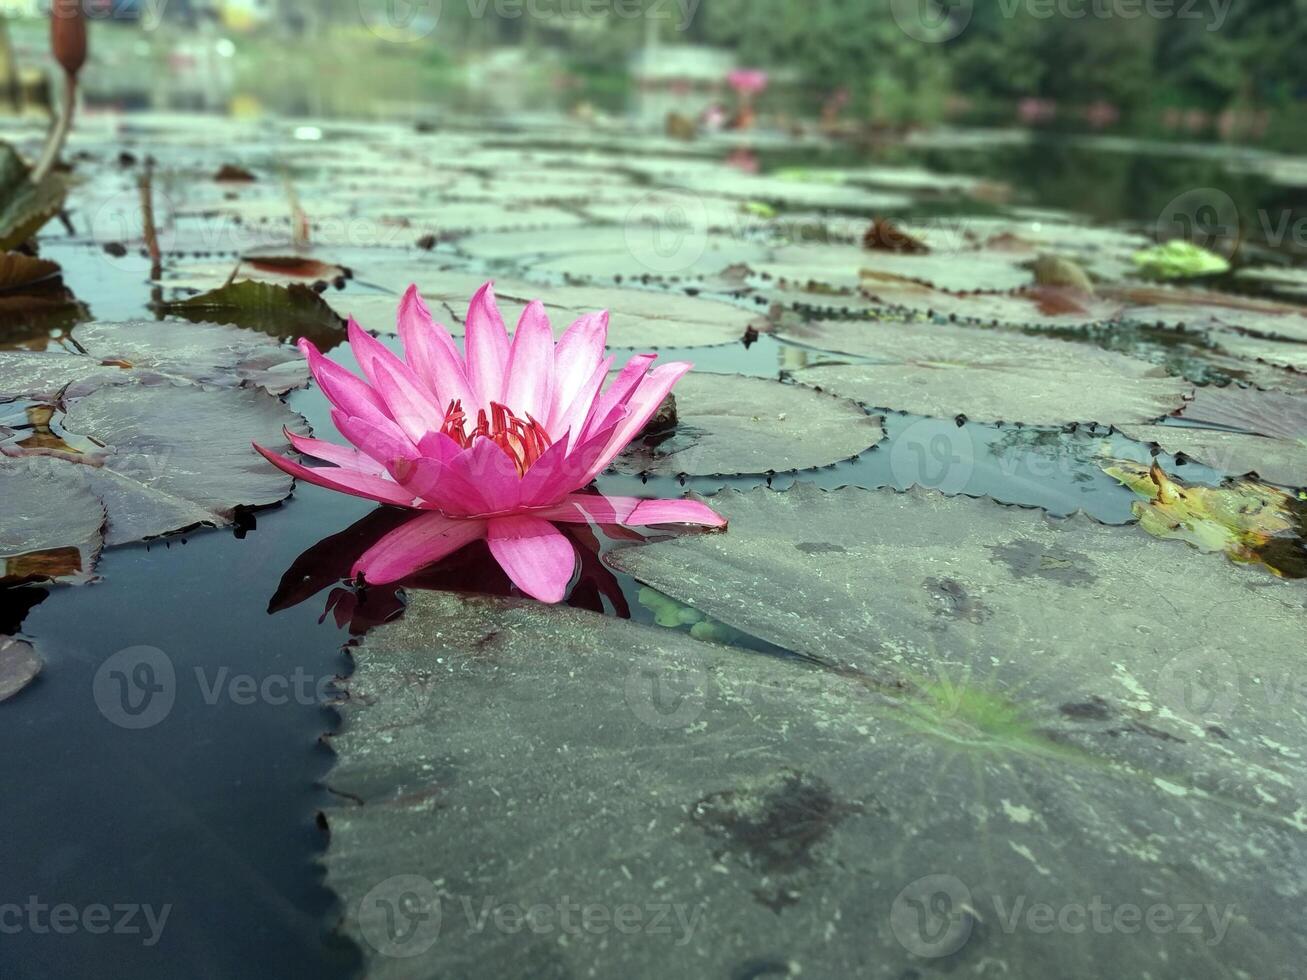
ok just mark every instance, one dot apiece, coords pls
pixel 1208 54
pixel 1203 54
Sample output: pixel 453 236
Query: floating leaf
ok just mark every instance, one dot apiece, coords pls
pixel 1266 413
pixel 729 424
pixel 51 531
pixel 288 312
pixel 178 456
pixel 1050 306
pixel 1251 522
pixel 986 375
pixel 1179 259
pixel 791 815
pixel 885 235
pixel 19 666
pixel 25 207
pixel 1233 453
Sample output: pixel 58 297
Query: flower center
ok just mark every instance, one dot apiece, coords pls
pixel 524 442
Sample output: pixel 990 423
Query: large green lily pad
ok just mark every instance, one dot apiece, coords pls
pixel 724 813
pixel 987 375
pixel 729 424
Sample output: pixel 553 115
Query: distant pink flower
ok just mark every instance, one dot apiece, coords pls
pixel 747 81
pixel 493 445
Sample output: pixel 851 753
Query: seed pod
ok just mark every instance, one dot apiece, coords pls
pixel 68 35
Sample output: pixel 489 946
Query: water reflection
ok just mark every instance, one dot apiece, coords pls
pixel 471 569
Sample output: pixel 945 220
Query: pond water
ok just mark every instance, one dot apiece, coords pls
pixel 204 798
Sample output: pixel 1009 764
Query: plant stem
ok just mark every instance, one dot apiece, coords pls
pixel 54 143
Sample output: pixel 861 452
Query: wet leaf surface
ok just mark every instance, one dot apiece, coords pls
pixel 177 456
pixel 25 207
pixel 206 353
pixel 287 312
pixel 1233 453
pixel 52 531
pixel 729 424
pixel 946 371
pixel 829 823
pixel 19 666
pixel 1263 412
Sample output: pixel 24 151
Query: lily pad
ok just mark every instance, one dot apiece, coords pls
pixel 1235 453
pixel 1251 522
pixel 1047 306
pixel 1266 413
pixel 19 666
pixel 804 821
pixel 178 456
pixel 730 424
pixel 51 529
pixel 986 375
pixel 206 353
pixel 661 246
pixel 288 312
pixel 25 207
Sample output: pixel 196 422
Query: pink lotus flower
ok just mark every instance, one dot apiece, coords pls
pixel 493 445
pixel 747 81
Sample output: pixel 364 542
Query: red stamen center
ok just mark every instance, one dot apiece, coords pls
pixel 524 442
